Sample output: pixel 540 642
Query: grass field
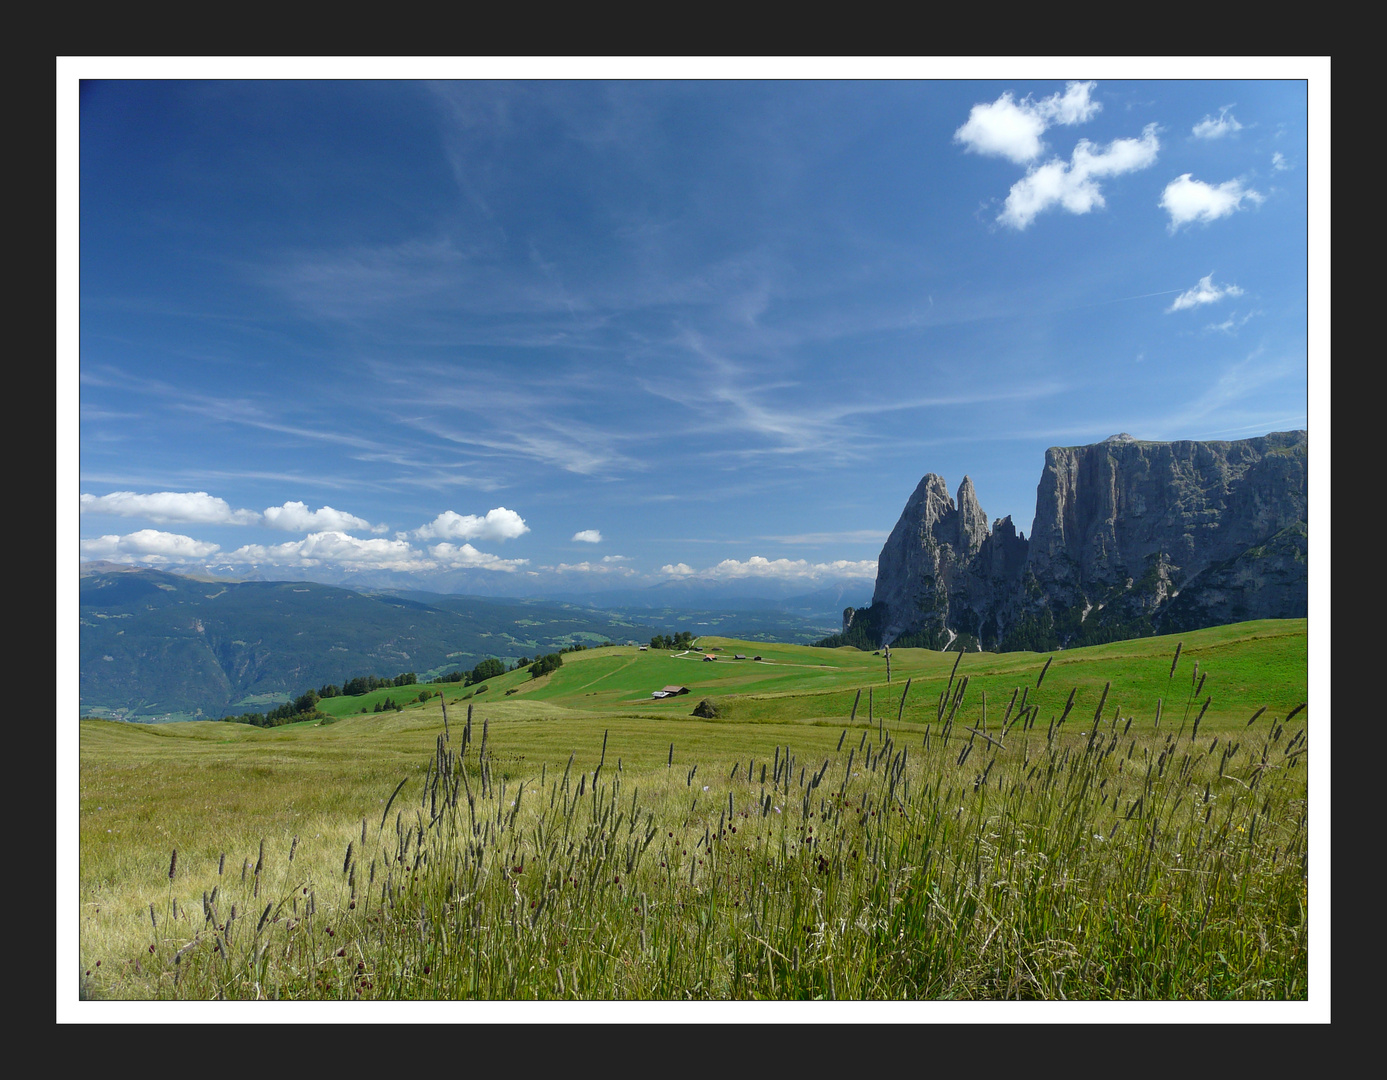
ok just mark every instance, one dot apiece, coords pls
pixel 1131 857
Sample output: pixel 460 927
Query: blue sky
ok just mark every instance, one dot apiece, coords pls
pixel 568 335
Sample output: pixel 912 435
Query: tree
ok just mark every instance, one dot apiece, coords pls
pixel 487 669
pixel 545 664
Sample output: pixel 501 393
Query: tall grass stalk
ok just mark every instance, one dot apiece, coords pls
pixel 1118 862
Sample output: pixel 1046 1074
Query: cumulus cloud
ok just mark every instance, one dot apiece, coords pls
pixel 1012 129
pixel 792 569
pixel 499 524
pixel 1187 200
pixel 296 517
pixel 167 506
pixel 466 557
pixel 588 536
pixel 336 548
pixel 1211 128
pixel 148 546
pixel 1073 185
pixel 1206 292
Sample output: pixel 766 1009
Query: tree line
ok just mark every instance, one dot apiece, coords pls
pixel 682 640
pixel 305 706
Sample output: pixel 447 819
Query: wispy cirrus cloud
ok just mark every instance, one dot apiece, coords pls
pixel 1187 200
pixel 535 420
pixel 772 410
pixel 1231 402
pixel 849 536
pixel 1206 292
pixel 1233 323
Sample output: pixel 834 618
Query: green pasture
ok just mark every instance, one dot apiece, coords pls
pixel 210 789
pixel 1245 667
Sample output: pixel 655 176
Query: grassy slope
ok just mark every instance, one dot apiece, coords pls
pixel 206 788
pixel 1248 665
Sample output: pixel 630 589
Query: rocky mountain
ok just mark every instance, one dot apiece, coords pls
pixel 1130 538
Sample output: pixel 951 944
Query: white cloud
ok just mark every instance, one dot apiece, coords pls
pixel 296 517
pixel 615 558
pixel 849 536
pixel 1187 200
pixel 784 569
pixel 1074 106
pixel 467 557
pixel 166 506
pixel 337 549
pixel 1210 128
pixel 1011 129
pixel 499 524
pixel 1206 292
pixel 148 546
pixel 1072 184
pixel 1278 161
pixel 1232 324
pixel 593 568
pixel 588 536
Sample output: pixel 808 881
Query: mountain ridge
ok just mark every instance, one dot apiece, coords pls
pixel 1130 538
pixel 155 643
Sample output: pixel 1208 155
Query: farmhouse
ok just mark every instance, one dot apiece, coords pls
pixel 670 691
pixel 709 656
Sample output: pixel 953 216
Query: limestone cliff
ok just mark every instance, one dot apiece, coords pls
pixel 1130 538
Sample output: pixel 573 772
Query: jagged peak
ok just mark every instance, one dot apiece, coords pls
pixel 1101 510
pixel 931 491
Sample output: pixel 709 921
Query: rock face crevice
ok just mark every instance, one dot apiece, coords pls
pixel 1130 538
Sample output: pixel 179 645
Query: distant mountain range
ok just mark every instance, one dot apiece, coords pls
pixel 156 644
pixel 594 590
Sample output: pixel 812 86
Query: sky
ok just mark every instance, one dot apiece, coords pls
pixel 524 336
